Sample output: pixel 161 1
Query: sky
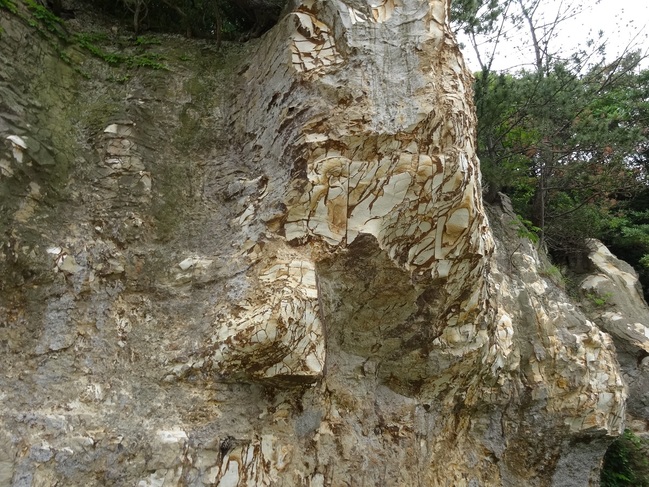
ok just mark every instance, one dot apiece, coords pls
pixel 622 22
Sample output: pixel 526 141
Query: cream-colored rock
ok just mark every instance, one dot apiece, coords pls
pixel 612 297
pixel 277 333
pixel 18 147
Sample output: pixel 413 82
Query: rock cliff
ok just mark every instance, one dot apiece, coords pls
pixel 271 265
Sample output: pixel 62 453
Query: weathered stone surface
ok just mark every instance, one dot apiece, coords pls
pixel 272 266
pixel 613 299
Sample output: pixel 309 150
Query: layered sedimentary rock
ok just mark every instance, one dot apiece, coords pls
pixel 273 267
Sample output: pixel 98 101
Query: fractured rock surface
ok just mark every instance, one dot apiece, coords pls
pixel 272 266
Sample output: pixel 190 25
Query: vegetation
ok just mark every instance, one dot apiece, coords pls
pixel 553 273
pixel 98 44
pixel 563 145
pixel 597 300
pixel 208 19
pixel 8 5
pixel 48 19
pixel 565 137
pixel 626 462
pixel 91 42
pixel 627 234
pixel 526 229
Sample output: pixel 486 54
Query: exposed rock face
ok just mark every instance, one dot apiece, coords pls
pixel 614 301
pixel 276 269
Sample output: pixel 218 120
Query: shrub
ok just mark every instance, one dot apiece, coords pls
pixel 626 463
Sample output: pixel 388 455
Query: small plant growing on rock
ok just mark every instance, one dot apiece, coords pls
pixel 50 21
pixel 626 463
pixel 147 41
pixel 553 273
pixel 599 300
pixel 9 5
pixel 90 42
pixel 526 229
